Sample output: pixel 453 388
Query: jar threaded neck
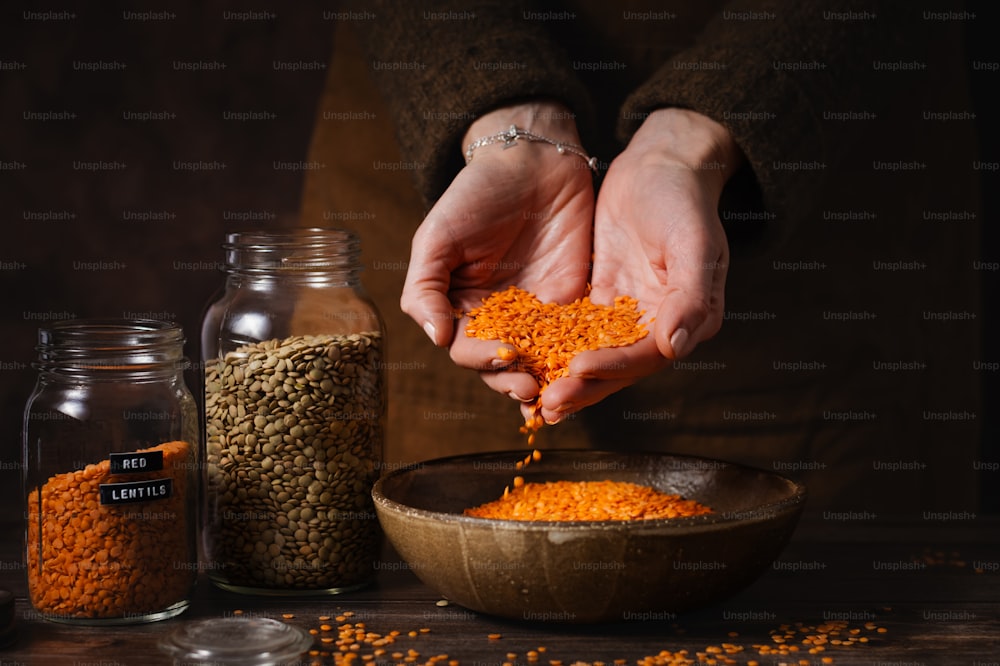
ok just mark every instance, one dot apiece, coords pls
pixel 95 347
pixel 312 253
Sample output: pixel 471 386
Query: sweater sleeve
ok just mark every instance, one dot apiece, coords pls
pixel 440 67
pixel 777 74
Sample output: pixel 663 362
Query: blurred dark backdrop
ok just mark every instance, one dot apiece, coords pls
pixel 145 96
pixel 148 94
pixel 981 46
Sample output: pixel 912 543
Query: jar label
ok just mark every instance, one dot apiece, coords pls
pixel 132 463
pixel 136 491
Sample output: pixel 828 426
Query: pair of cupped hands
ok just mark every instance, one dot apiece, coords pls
pixel 527 215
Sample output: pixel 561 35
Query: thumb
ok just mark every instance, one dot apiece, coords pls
pixel 424 299
pixel 690 312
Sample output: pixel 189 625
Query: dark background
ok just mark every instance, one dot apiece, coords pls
pixel 168 268
pixel 160 268
pixel 982 45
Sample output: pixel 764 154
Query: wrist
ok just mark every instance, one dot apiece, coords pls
pixel 691 139
pixel 545 118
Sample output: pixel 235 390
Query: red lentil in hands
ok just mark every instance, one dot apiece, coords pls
pixel 546 336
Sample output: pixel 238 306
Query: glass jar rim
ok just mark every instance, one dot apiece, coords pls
pixel 110 344
pixel 302 250
pixel 290 236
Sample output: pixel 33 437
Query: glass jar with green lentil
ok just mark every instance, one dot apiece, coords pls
pixel 294 416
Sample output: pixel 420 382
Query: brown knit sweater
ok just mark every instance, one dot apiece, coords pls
pixel 768 70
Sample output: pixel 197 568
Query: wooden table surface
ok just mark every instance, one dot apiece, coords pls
pixel 922 592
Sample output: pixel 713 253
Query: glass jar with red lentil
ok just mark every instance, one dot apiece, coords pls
pixel 110 471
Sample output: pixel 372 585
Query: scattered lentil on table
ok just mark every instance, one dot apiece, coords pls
pixel 798 644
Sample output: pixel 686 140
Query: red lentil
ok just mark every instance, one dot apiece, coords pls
pixel 94 560
pixel 586 500
pixel 544 337
pixel 354 638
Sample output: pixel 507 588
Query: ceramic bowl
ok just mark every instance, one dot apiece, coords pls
pixel 597 571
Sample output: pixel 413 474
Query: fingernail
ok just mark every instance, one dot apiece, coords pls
pixel 562 411
pixel 430 331
pixel 498 363
pixel 678 342
pixel 517 397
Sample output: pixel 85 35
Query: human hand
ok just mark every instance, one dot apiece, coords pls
pixel 520 215
pixel 657 238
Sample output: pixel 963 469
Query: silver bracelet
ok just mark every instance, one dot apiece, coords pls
pixel 510 136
